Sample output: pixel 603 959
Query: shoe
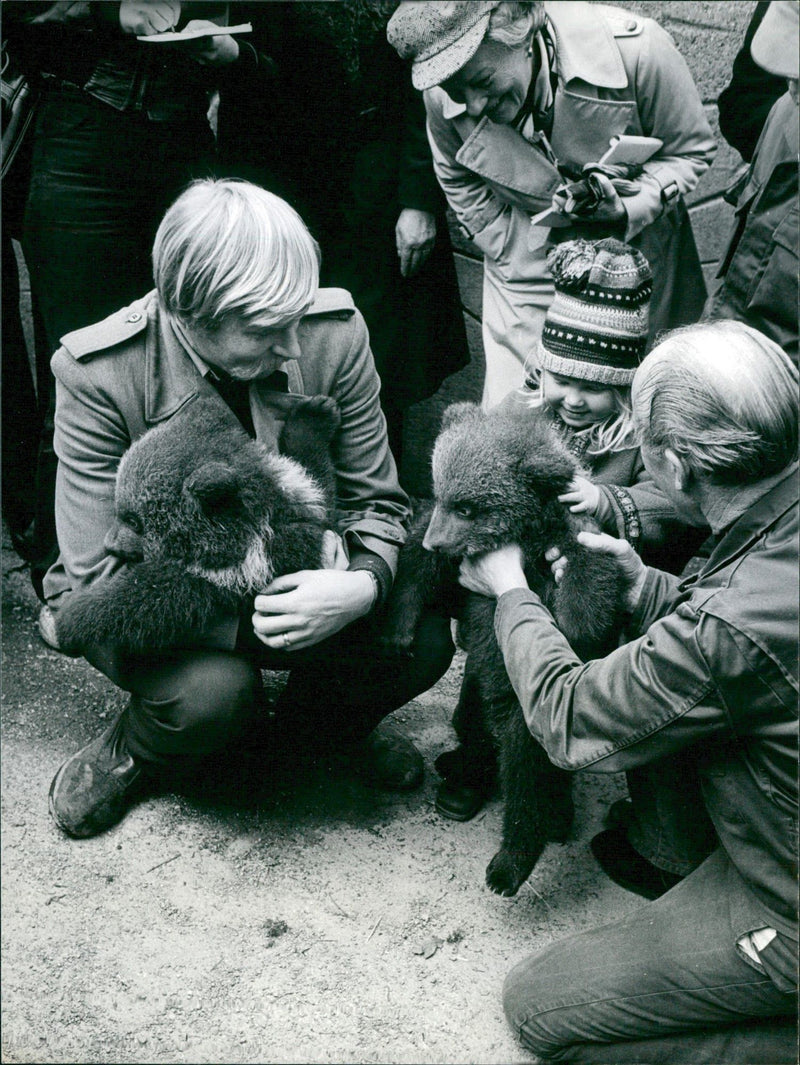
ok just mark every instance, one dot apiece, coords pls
pixel 620 814
pixel 388 759
pixel 459 802
pixel 93 789
pixel 626 867
pixel 47 628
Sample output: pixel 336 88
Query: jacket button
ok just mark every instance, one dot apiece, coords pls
pixel 135 317
pixel 630 26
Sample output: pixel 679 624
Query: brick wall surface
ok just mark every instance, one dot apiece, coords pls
pixel 708 34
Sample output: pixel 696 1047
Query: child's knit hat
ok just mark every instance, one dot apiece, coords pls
pixel 596 327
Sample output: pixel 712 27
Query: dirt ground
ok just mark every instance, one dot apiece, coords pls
pixel 250 919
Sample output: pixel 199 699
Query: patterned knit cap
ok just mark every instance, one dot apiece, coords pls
pixel 596 326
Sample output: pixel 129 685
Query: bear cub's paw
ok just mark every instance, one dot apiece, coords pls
pixel 318 412
pixel 507 872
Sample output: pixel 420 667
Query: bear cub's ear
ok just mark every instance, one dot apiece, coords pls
pixel 215 488
pixel 460 412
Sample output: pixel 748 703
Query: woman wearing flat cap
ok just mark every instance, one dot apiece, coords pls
pixel 519 98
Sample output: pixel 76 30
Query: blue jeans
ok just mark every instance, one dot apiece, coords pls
pixel 664 984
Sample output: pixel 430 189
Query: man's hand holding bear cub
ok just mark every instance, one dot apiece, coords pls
pixel 497 572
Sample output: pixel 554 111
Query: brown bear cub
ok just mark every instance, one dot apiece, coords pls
pixel 205 518
pixel 496 480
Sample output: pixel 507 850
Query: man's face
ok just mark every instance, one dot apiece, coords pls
pixel 666 475
pixel 493 83
pixel 243 351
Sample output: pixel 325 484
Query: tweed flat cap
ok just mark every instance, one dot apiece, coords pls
pixel 775 44
pixel 440 37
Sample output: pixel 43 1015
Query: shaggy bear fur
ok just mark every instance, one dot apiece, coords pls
pixel 496 480
pixel 205 517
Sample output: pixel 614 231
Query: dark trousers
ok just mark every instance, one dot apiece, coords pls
pixel 191 704
pixel 666 984
pixel 100 181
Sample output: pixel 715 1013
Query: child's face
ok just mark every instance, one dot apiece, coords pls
pixel 578 403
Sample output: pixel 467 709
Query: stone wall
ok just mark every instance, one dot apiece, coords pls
pixel 708 34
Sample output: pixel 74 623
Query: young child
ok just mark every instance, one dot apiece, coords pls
pixel 593 339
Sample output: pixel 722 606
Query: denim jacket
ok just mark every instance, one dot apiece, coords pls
pixel 714 669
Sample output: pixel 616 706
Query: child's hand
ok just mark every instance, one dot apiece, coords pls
pixel 583 497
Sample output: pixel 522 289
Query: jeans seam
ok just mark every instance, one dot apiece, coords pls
pixel 649 994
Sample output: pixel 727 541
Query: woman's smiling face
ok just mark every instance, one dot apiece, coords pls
pixel 494 83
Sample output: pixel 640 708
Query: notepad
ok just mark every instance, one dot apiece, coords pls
pixel 174 36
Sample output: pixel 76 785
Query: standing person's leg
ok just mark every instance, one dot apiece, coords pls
pixel 656 986
pixel 100 181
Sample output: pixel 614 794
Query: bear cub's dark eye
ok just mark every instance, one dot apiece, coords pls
pixel 133 522
pixel 465 510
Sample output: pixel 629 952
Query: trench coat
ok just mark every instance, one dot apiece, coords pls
pixel 617 73
pixel 120 377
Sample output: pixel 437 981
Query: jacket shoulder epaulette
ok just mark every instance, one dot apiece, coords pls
pixel 332 303
pixel 116 329
pixel 621 23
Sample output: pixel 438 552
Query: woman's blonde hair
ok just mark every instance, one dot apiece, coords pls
pixel 230 248
pixel 723 397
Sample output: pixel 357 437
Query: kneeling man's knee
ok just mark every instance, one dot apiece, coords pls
pixel 193 707
pixel 526 992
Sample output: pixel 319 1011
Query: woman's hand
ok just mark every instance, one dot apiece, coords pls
pixel 494 573
pixel 301 609
pixel 609 209
pixel 144 17
pixel 415 234
pixel 632 570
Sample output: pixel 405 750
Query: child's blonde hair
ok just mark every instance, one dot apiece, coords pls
pixel 617 432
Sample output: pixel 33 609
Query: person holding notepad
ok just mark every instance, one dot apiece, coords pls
pixel 520 97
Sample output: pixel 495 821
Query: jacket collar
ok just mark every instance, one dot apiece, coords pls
pixel 585 49
pixel 780 497
pixel 585 45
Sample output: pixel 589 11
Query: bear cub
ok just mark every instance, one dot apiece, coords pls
pixel 496 480
pixel 205 518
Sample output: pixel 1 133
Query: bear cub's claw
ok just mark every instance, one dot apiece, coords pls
pixel 505 874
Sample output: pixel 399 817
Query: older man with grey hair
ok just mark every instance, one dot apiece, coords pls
pixel 703 701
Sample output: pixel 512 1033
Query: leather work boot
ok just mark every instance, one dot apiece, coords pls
pixel 93 789
pixel 388 759
pixel 626 867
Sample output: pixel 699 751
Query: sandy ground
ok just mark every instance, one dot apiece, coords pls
pixel 260 920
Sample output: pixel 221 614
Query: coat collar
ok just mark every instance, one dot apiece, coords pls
pixel 585 49
pixel 585 45
pixel 778 498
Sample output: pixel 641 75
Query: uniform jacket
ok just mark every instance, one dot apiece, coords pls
pixel 118 378
pixel 760 268
pixel 617 73
pixel 714 670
